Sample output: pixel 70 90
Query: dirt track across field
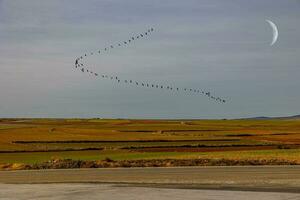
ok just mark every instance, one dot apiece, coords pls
pixel 249 178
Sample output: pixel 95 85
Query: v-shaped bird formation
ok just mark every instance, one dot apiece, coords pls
pixel 150 85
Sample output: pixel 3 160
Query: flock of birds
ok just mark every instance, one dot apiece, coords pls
pixel 79 65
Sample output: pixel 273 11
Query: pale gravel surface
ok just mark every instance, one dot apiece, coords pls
pixel 76 191
pixel 207 183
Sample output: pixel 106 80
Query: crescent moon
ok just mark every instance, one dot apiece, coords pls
pixel 275 31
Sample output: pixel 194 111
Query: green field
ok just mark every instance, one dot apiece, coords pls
pixel 38 157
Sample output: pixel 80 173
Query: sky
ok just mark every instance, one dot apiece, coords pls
pixel 220 46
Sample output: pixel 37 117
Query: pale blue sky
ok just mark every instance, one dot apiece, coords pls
pixel 219 45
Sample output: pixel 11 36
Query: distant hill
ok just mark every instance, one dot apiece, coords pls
pixel 264 118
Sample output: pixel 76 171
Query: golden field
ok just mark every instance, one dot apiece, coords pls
pixel 38 140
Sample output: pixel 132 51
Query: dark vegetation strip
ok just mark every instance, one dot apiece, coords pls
pixel 248 134
pixel 240 135
pixel 120 141
pixel 151 131
pixel 202 146
pixel 193 130
pixel 138 131
pixel 204 149
pixel 109 163
pixel 53 150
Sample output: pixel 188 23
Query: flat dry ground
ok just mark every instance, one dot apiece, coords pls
pixel 38 140
pixel 107 191
pixel 284 179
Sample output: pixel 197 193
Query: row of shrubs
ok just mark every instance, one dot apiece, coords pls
pixel 117 141
pixel 198 146
pixel 109 163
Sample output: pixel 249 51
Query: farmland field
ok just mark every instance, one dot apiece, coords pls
pixel 38 140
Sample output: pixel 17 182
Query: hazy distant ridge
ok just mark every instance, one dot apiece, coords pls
pixel 288 117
